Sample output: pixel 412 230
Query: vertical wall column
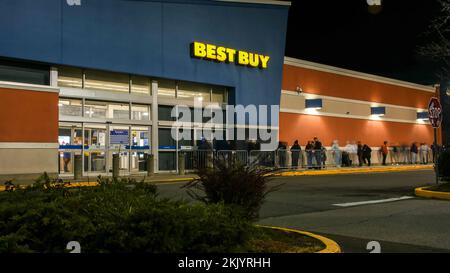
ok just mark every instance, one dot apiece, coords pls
pixel 53 76
pixel 155 127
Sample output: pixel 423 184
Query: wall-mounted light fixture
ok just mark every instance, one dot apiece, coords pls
pixel 422 115
pixel 313 104
pixel 378 111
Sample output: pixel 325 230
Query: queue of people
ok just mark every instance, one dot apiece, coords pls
pixel 356 154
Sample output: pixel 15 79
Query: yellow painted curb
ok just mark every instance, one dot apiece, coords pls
pixel 351 171
pixel 93 184
pixel 173 180
pixel 330 245
pixel 423 192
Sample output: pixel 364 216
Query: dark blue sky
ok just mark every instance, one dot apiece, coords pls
pixel 344 33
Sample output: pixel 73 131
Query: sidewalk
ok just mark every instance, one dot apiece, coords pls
pixel 172 177
pixel 162 178
pixel 355 170
pixel 156 178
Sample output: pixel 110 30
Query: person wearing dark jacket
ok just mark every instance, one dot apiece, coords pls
pixel 414 151
pixel 367 154
pixel 360 153
pixel 281 154
pixel 295 152
pixel 309 148
pixel 384 152
pixel 318 152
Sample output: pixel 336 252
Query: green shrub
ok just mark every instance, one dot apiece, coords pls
pixel 119 216
pixel 444 165
pixel 233 183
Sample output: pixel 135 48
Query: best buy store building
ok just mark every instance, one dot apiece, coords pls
pixel 99 77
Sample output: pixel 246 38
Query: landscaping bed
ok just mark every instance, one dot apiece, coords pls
pixel 444 187
pixel 125 216
pixel 268 240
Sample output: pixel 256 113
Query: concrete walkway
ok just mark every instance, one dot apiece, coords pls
pixel 173 177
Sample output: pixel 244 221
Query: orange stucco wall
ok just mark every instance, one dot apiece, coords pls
pixel 329 84
pixel 28 116
pixel 304 127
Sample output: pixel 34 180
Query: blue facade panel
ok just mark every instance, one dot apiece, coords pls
pixel 151 38
pixel 113 35
pixel 31 29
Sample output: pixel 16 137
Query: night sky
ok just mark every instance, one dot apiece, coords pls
pixel 345 34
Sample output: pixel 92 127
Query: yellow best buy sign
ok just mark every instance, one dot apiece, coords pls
pixel 228 55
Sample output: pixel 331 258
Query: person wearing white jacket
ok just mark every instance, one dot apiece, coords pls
pixel 336 153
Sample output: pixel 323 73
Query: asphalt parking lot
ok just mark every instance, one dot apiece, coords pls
pixel 354 209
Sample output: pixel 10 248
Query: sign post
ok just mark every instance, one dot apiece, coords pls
pixel 435 117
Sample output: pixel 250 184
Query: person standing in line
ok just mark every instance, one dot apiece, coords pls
pixel 318 152
pixel 405 153
pixel 414 151
pixel 323 154
pixel 424 153
pixel 66 159
pixel 309 153
pixel 295 153
pixel 336 153
pixel 281 154
pixel 394 154
pixel 359 152
pixel 348 150
pixel 433 149
pixel 384 152
pixel 366 154
pixel 354 153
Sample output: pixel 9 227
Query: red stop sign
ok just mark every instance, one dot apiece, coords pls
pixel 435 112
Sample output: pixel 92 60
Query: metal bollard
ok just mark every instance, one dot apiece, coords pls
pixel 115 165
pixel 150 165
pixel 209 159
pixel 277 160
pixel 181 163
pixel 77 167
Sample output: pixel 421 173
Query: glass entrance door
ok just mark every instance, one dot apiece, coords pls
pixel 140 148
pixel 119 143
pixel 70 144
pixel 95 148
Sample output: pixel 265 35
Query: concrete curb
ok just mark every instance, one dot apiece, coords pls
pixel 352 171
pixel 330 245
pixel 423 192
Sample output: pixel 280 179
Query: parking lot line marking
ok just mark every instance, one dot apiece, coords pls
pixel 373 201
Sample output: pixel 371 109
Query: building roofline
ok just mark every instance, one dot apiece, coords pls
pixel 356 74
pixel 266 2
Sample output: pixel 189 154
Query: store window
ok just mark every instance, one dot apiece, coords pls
pixel 166 141
pixel 95 109
pixel 140 85
pixel 219 94
pixel 70 77
pixel 166 89
pixel 64 136
pixel 140 112
pixel 107 81
pixel 186 143
pixel 70 107
pixel 165 113
pixel 11 71
pixel 189 91
pixel 167 161
pixel 118 111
